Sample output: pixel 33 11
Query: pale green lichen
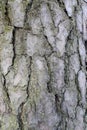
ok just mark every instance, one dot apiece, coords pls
pixel 9 122
pixel 6 37
pixel 8 28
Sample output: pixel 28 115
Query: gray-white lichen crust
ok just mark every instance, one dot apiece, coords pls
pixel 43 64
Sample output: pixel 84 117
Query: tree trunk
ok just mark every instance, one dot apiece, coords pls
pixel 43 46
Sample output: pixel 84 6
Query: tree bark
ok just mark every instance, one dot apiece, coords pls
pixel 43 47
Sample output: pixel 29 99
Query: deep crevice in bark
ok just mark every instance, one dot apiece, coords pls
pixel 19 116
pixel 5 88
pixel 29 77
pixel 7 13
pixel 86 58
pixel 21 107
pixel 28 7
pixel 6 94
pixel 13 42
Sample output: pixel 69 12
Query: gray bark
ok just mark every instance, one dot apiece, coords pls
pixel 43 46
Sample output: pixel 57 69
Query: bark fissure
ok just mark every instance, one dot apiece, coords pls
pixel 6 94
pixel 19 117
pixel 28 7
pixel 7 13
pixel 21 107
pixel 13 42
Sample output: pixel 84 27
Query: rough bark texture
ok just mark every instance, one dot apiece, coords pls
pixel 43 46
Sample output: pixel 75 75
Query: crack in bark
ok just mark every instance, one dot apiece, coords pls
pixel 79 55
pixel 7 13
pixel 58 104
pixel 5 89
pixel 66 60
pixel 85 1
pixel 49 88
pixel 6 93
pixel 14 53
pixel 29 77
pixel 52 49
pixel 62 5
pixel 28 7
pixel 20 109
pixel 78 92
pixel 13 42
pixel 19 116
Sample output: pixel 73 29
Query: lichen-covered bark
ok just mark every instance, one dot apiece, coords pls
pixel 43 63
